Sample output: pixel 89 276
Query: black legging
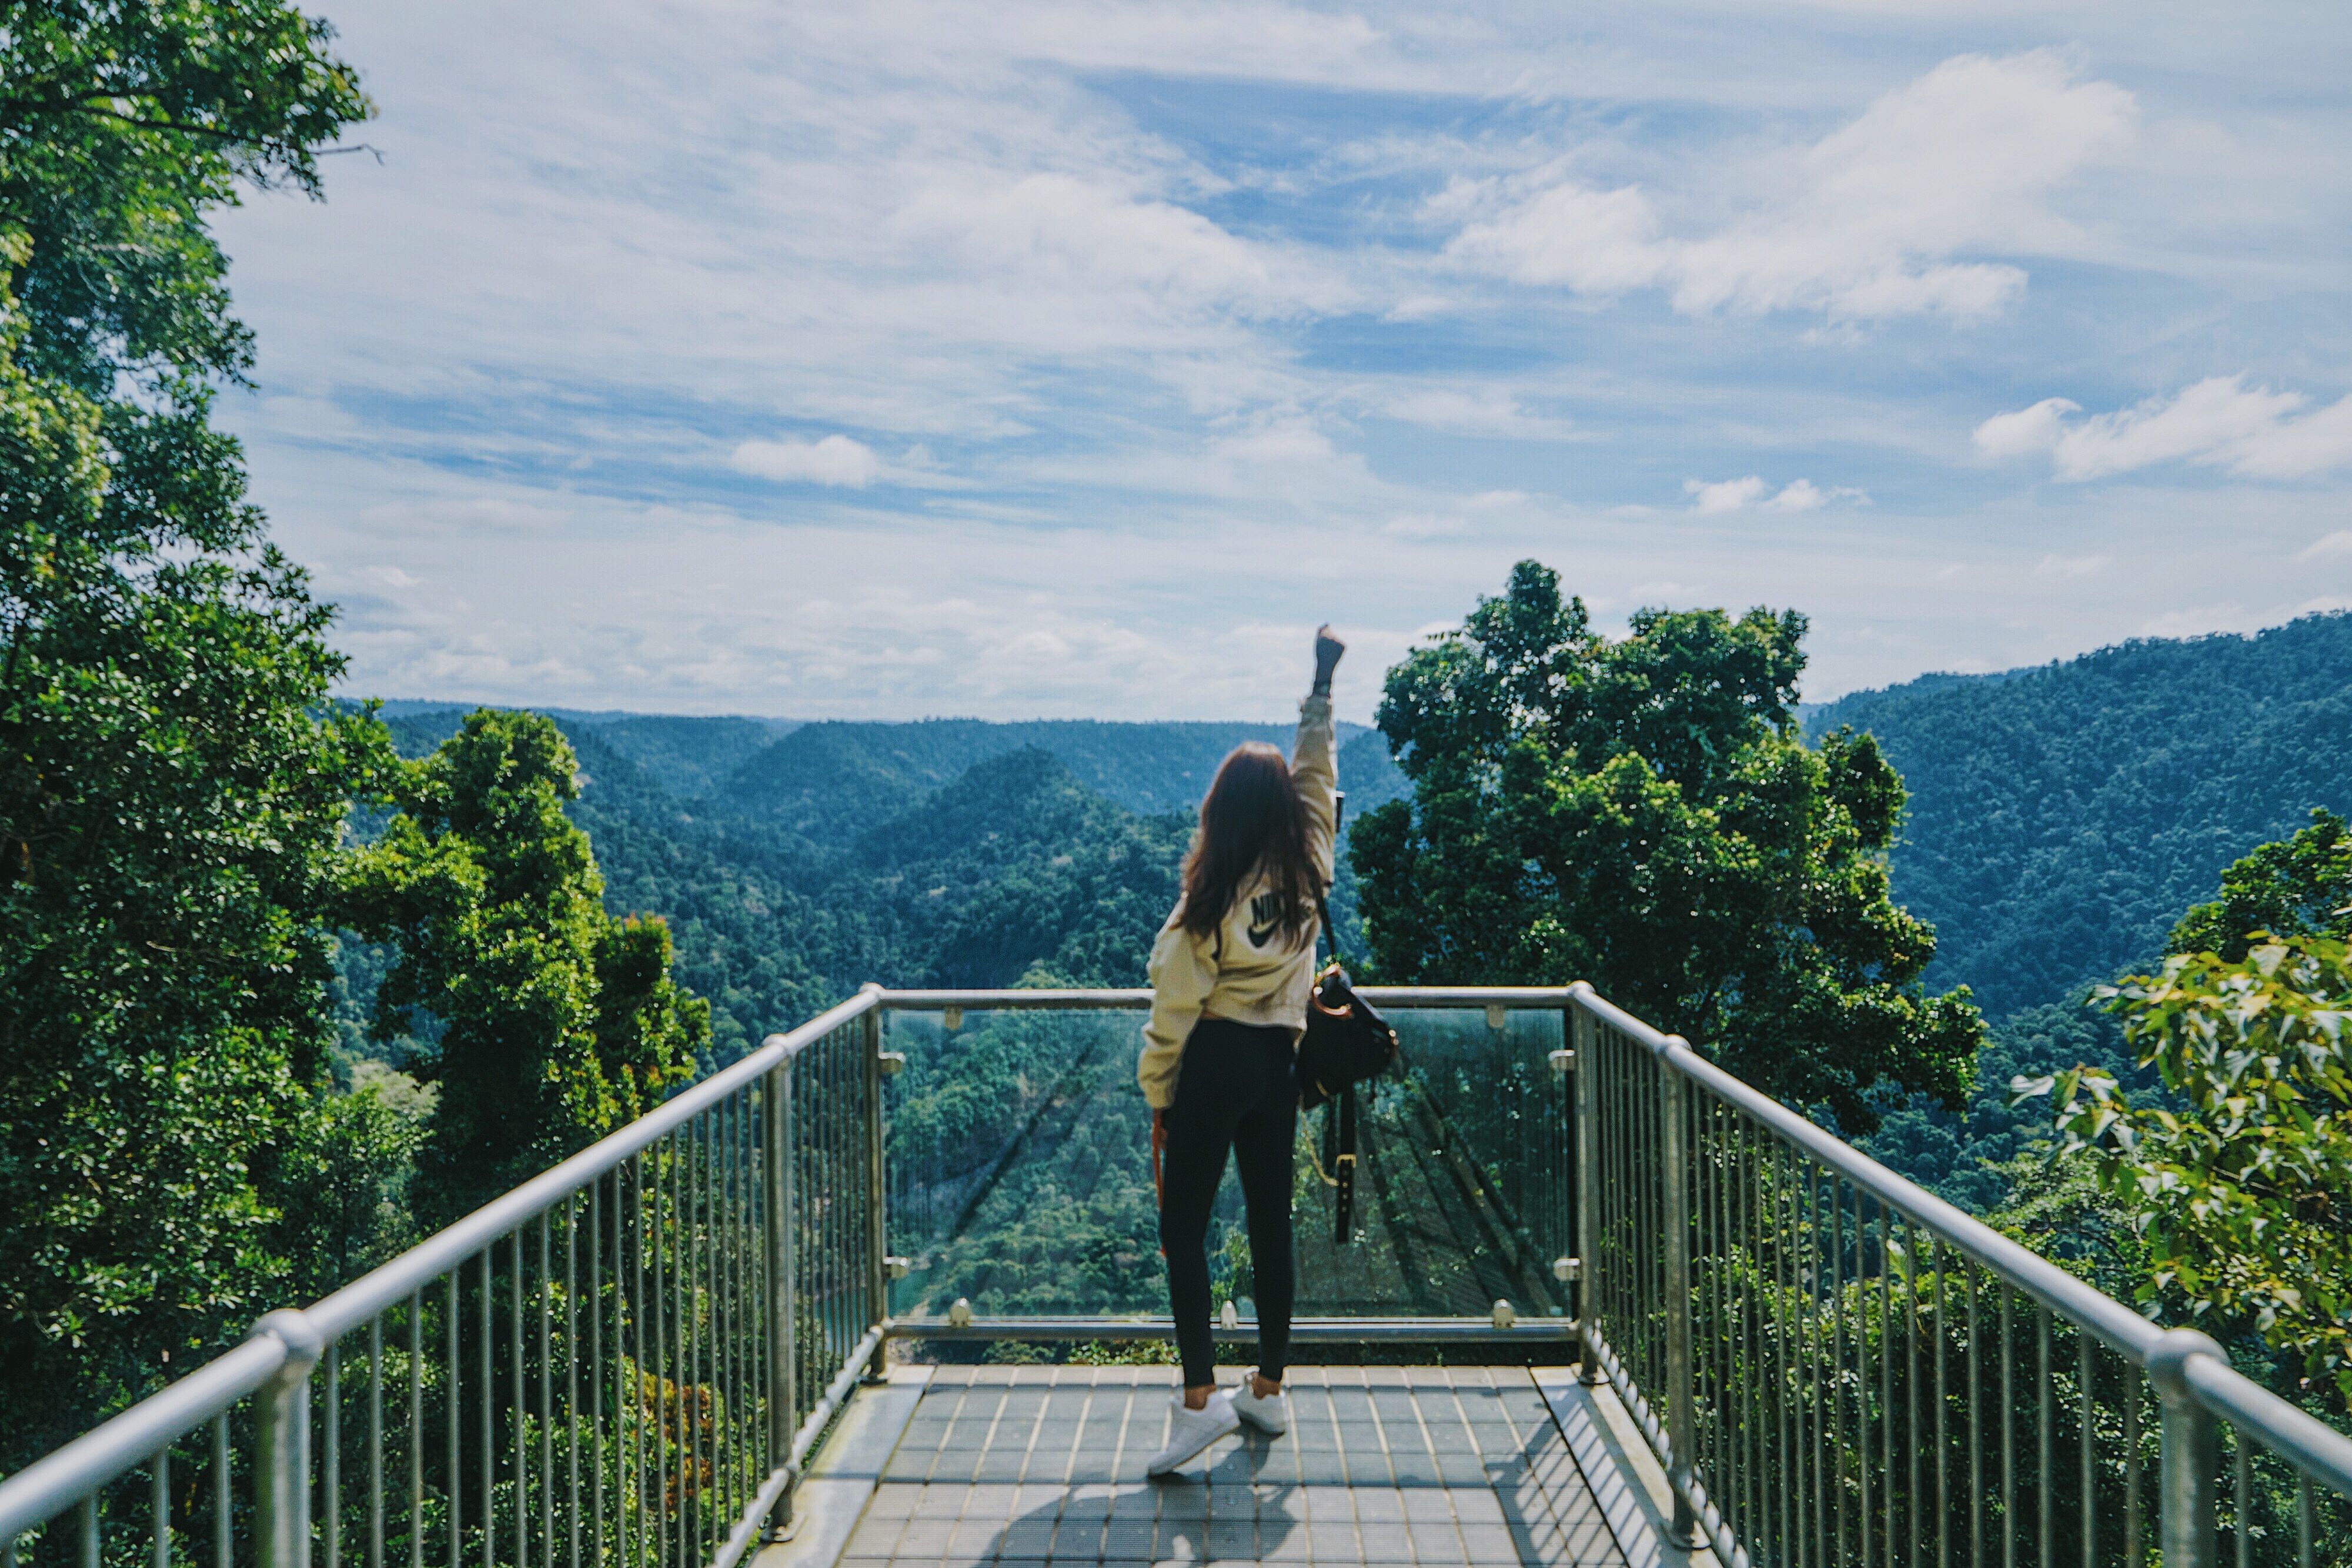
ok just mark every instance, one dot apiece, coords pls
pixel 1233 1092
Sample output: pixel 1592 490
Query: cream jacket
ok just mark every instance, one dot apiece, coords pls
pixel 1245 972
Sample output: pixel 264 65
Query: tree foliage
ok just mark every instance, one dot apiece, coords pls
pixel 2245 1190
pixel 171 799
pixel 2300 886
pixel 1642 813
pixel 559 1021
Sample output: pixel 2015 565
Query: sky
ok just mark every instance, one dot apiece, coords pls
pixel 1075 358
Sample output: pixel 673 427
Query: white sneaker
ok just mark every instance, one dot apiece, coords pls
pixel 1189 1431
pixel 1269 1415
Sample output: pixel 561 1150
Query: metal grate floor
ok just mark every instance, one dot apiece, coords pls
pixel 1381 1466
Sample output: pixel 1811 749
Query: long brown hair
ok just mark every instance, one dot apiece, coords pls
pixel 1251 821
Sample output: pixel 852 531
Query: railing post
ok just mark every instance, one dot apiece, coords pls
pixel 2190 1463
pixel 879 1248
pixel 1681 1419
pixel 1584 1087
pixel 782 1310
pixel 281 1457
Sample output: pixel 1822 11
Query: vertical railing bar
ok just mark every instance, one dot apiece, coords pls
pixel 704 1297
pixel 2046 1438
pixel 2083 1370
pixel 520 1414
pixel 1837 1358
pixel 1886 1275
pixel 159 1505
pixel 1861 1456
pixel 546 1393
pixel 86 1531
pixel 745 1311
pixel 2190 1459
pixel 572 1374
pixel 1943 1408
pixel 1759 1395
pixel 2008 1430
pixel 2134 1525
pixel 670 1260
pixel 1915 1511
pixel 720 1486
pixel 1975 1363
pixel 660 1420
pixel 1787 1484
pixel 600 1439
pixel 333 1466
pixel 416 1429
pixel 453 1418
pixel 2306 1526
pixel 1681 1417
pixel 877 1193
pixel 776 1317
pixel 1825 1444
pixel 1715 1249
pixel 689 1342
pixel 488 1392
pixel 375 1441
pixel 2242 1499
pixel 223 1525
pixel 629 1371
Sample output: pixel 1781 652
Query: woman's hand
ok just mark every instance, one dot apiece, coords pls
pixel 1328 649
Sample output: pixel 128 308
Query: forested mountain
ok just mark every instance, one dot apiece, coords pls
pixel 2061 817
pixel 947 853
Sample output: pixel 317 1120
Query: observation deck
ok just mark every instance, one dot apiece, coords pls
pixel 1603 1303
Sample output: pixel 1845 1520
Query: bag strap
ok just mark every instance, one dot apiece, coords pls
pixel 1343 1124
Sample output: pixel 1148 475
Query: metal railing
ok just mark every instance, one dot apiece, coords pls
pixel 1836 1366
pixel 629 1358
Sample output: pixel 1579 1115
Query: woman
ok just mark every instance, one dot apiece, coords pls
pixel 1231 975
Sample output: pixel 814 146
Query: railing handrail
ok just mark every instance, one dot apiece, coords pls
pixel 1135 1000
pixel 393 1281
pixel 58 1478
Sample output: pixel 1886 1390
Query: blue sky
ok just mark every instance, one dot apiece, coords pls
pixel 1077 356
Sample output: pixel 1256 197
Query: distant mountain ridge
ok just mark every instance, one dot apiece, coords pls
pixel 2063 816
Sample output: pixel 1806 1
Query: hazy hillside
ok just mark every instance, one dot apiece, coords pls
pixel 2061 817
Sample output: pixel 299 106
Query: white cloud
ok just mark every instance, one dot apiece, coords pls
pixel 2337 546
pixel 1474 411
pixel 1873 220
pixel 2071 566
pixel 833 460
pixel 1737 495
pixel 1723 495
pixel 2218 423
pixel 2035 429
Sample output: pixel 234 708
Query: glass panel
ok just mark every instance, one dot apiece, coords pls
pixel 1020 1173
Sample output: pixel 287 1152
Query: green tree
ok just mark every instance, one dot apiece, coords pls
pixel 2244 1191
pixel 2300 886
pixel 560 1022
pixel 172 785
pixel 1641 813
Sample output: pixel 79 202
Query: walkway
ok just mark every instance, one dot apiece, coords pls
pixel 1463 1466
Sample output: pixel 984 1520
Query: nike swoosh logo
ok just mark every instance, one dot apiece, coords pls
pixel 1259 934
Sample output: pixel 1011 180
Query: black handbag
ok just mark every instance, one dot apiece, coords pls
pixel 1347 1042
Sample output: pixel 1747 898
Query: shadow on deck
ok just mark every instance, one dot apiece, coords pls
pixel 959 1467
